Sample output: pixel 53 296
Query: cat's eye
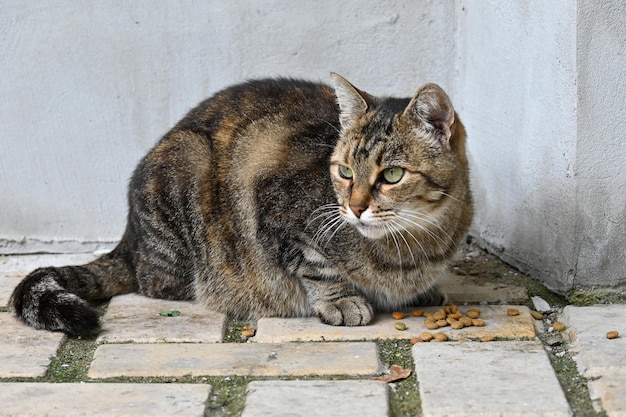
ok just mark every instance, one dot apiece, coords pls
pixel 345 172
pixel 393 175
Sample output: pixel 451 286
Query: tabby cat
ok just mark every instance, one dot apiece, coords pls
pixel 282 197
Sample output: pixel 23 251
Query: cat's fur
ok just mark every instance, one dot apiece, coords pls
pixel 269 199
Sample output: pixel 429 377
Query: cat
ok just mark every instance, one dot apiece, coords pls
pixel 282 197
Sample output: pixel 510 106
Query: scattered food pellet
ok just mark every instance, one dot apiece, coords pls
pixel 431 325
pixel 400 325
pixel 426 337
pixel 440 337
pixel 512 312
pixel 536 315
pixel 487 338
pixel 248 332
pixel 473 313
pixel 613 334
pixel 558 326
pixel 417 313
pixel 398 315
pixel 478 323
pixel 440 315
pixel 415 340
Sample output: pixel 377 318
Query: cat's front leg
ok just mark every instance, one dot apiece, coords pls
pixel 337 303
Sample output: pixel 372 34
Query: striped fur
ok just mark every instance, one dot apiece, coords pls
pixel 243 206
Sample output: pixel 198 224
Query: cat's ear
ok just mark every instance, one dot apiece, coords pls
pixel 352 102
pixel 431 109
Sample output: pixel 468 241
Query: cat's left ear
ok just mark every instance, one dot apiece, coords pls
pixel 353 103
pixel 431 109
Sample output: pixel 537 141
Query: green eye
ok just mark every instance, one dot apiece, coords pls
pixel 393 175
pixel 345 172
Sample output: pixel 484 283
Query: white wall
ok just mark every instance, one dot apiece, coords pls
pixel 540 86
pixel 88 87
pixel 542 89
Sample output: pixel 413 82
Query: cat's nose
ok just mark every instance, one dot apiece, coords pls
pixel 358 209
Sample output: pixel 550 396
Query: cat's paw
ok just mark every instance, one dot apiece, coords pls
pixel 347 311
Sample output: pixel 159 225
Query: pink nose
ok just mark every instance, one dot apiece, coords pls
pixel 357 209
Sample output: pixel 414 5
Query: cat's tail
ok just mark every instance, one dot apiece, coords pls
pixel 53 298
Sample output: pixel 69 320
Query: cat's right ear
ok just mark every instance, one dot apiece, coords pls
pixel 352 102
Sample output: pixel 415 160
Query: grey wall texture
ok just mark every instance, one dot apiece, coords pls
pixel 87 89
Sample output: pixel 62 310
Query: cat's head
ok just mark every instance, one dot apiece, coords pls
pixel 398 165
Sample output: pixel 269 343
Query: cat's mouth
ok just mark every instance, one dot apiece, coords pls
pixel 371 230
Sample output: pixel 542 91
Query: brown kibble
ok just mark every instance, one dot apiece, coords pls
pixel 454 309
pixel 478 323
pixel 467 322
pixel 426 337
pixel 487 338
pixel 613 334
pixel 400 325
pixel 558 326
pixel 536 315
pixel 512 312
pixel 457 325
pixel 431 325
pixel 455 315
pixel 440 315
pixel 473 313
pixel 417 313
pixel 248 332
pixel 440 337
pixel 398 315
pixel 441 323
pixel 415 340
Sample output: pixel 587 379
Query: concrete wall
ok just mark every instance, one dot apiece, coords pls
pixel 88 88
pixel 542 89
pixel 539 85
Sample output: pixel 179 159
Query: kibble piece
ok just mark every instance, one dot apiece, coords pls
pixel 613 334
pixel 487 338
pixel 248 332
pixel 467 322
pixel 400 325
pixel 440 337
pixel 431 325
pixel 559 327
pixel 398 315
pixel 454 309
pixel 440 315
pixel 512 312
pixel 417 313
pixel 415 340
pixel 536 315
pixel 441 323
pixel 456 325
pixel 455 315
pixel 478 323
pixel 473 313
pixel 426 337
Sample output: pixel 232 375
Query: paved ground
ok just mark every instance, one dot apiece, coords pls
pixel 198 363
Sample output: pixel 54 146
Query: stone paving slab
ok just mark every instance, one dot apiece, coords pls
pixel 316 399
pixel 135 318
pixel 512 378
pixel 24 351
pixel 594 353
pixel 469 289
pixel 103 400
pixel 245 359
pixel 601 360
pixel 280 330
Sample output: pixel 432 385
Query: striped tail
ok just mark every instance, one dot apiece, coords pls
pixel 54 298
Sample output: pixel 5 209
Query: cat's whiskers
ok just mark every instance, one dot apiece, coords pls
pixel 452 198
pixel 405 214
pixel 397 228
pixel 332 222
pixel 391 232
pixel 401 228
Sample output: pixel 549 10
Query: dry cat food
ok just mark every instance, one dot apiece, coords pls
pixel 398 315
pixel 400 325
pixel 429 337
pixel 613 334
pixel 451 316
pixel 536 315
pixel 558 326
pixel 512 312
